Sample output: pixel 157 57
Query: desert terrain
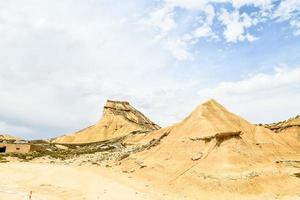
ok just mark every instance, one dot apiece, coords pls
pixel 53 181
pixel 211 154
pixel 149 100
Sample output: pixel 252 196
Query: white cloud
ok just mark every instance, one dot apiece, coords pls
pixel 250 38
pixel 261 97
pixel 203 31
pixel 161 19
pixel 296 24
pixel 13 129
pixel 58 69
pixel 178 48
pixel 236 25
pixel 288 10
pixel 263 4
pixel 210 14
pixel 187 4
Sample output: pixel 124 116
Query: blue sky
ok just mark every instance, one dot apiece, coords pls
pixel 61 59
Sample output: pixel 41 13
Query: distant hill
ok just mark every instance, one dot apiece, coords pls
pixel 6 137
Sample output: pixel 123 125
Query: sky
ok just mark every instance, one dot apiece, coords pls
pixel 60 60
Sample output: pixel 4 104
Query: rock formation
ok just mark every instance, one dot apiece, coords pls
pixel 5 137
pixel 289 130
pixel 119 119
pixel 211 143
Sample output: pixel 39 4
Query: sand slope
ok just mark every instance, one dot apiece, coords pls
pixel 211 154
pixel 119 118
pixel 289 130
pixel 57 182
pixel 210 146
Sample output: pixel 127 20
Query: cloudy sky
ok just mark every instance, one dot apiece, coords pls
pixel 61 59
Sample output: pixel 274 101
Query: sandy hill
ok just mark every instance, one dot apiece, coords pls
pixel 280 126
pixel 289 129
pixel 5 137
pixel 211 144
pixel 119 119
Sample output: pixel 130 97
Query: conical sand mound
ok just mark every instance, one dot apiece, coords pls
pixel 119 119
pixel 211 121
pixel 210 142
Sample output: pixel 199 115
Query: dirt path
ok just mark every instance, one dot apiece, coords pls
pixel 53 182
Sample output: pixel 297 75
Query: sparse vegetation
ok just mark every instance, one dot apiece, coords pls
pixel 2 159
pixel 110 150
pixel 63 154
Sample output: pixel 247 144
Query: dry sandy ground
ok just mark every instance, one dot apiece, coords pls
pixel 56 182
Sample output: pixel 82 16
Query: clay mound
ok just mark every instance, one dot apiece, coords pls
pixel 5 137
pixel 210 142
pixel 279 126
pixel 289 129
pixel 119 119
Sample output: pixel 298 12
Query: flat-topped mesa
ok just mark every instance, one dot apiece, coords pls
pixel 117 105
pixel 119 118
pixel 129 113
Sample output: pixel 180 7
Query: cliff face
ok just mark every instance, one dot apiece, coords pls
pixel 119 118
pixel 129 114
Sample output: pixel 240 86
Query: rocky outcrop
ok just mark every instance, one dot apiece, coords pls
pixel 129 113
pixel 280 126
pixel 119 118
pixel 289 130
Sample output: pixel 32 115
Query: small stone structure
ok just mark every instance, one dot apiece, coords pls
pixel 19 148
